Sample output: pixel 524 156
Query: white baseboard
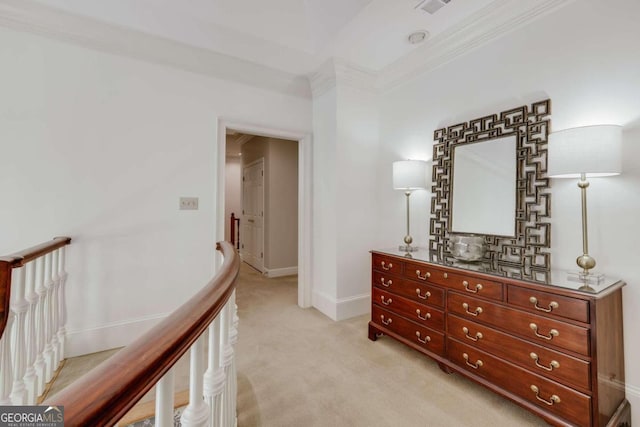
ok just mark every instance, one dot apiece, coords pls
pixel 324 304
pixel 633 396
pixel 353 306
pixel 279 272
pixel 343 308
pixel 106 337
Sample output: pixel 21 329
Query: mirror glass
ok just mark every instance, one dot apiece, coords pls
pixel 484 187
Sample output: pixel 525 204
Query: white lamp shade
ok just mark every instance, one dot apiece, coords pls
pixel 592 150
pixel 410 174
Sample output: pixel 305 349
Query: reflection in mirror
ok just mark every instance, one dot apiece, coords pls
pixel 484 187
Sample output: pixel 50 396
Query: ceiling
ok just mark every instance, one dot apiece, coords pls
pixel 281 45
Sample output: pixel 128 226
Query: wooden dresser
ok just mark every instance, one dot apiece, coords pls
pixel 551 348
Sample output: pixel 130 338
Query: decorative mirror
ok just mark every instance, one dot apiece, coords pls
pixel 490 179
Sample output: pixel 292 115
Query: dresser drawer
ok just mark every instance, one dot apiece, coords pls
pixel 542 330
pixel 422 293
pixel 545 302
pixel 424 272
pixel 459 282
pixel 385 280
pixel 550 396
pixel 475 286
pixel 423 337
pixel 568 370
pixel 386 264
pixel 419 313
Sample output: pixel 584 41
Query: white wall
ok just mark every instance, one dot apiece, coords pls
pixel 232 192
pixel 100 147
pixel 282 208
pixel 345 123
pixel 584 58
pixel 324 235
pixel 357 150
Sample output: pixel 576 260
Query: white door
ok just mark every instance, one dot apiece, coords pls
pixel 251 237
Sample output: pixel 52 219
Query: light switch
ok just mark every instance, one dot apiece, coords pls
pixel 188 203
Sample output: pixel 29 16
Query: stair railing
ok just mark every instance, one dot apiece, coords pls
pixel 105 394
pixel 32 320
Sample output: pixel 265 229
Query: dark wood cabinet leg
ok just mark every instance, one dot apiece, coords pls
pixel 444 368
pixel 373 332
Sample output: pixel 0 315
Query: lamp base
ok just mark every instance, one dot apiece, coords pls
pixel 407 248
pixel 587 279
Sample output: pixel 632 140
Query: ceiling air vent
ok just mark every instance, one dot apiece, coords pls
pixel 432 6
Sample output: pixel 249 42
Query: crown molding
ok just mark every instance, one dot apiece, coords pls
pixel 35 18
pixel 337 72
pixel 495 20
pixel 489 23
pixel 323 79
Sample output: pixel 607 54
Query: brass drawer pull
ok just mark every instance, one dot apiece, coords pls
pixel 445 275
pixel 476 289
pixel 552 400
pixel 476 365
pixel 475 312
pixel 426 316
pixel 425 277
pixel 386 322
pixel 477 337
pixel 426 339
pixel 426 294
pixel 384 266
pixel 387 284
pixel 552 305
pixel 552 333
pixel 553 365
pixel 387 302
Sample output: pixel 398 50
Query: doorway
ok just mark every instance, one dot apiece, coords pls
pixel 304 189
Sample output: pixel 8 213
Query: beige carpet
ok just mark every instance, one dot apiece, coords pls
pixel 298 368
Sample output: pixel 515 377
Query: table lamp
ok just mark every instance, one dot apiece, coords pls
pixel 585 152
pixel 409 175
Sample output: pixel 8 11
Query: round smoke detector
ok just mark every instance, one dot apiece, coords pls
pixel 418 36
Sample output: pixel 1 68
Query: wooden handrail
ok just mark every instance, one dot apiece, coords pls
pixel 19 259
pixel 42 249
pixel 109 391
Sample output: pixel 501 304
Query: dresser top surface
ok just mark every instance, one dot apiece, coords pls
pixel 554 278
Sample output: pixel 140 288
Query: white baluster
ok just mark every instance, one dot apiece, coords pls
pixel 164 400
pixel 214 378
pixel 47 354
pixel 196 414
pixel 233 339
pixel 227 361
pixel 39 325
pixel 55 282
pixel 19 307
pixel 30 378
pixel 62 305
pixel 6 372
pixel 224 337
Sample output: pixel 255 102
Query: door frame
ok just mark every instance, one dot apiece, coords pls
pixel 304 192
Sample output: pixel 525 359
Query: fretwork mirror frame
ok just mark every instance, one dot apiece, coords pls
pixel 528 253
